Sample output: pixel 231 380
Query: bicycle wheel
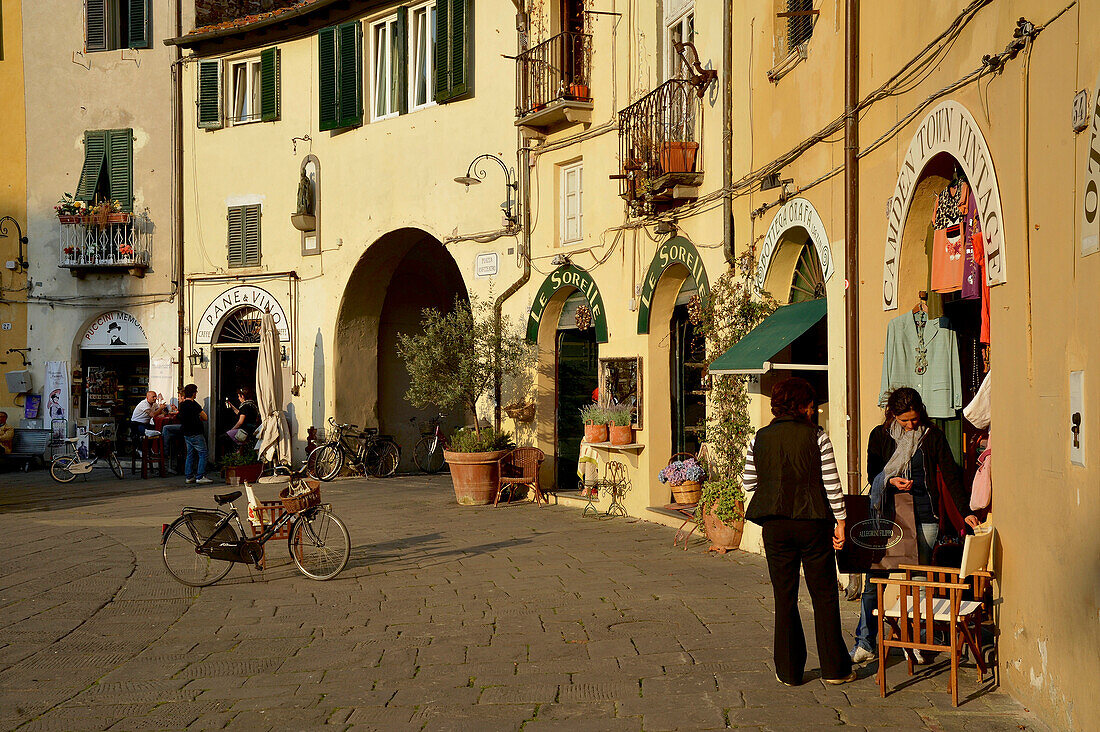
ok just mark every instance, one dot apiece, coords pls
pixel 185 563
pixel 60 471
pixel 383 459
pixel 116 465
pixel 428 455
pixel 325 462
pixel 319 545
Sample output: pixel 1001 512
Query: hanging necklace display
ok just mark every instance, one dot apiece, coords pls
pixel 921 365
pixel 695 309
pixel 583 318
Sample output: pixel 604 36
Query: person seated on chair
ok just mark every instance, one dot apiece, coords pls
pixel 248 417
pixel 173 435
pixel 141 420
pixel 7 434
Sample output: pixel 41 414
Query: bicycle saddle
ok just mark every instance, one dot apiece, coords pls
pixel 226 497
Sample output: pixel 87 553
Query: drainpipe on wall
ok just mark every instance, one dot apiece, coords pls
pixel 727 132
pixel 851 237
pixel 177 165
pixel 523 177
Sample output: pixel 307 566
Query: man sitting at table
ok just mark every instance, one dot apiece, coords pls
pixel 141 421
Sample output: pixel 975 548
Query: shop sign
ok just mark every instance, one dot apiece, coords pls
pixel 1090 218
pixel 114 330
pixel 676 250
pixel 796 213
pixel 572 277
pixel 235 298
pixel 485 265
pixel 948 128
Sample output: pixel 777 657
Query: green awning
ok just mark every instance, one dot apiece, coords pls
pixel 752 354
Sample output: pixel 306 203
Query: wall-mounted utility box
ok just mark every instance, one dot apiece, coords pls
pixel 19 382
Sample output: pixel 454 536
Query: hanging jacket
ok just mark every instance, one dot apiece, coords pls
pixel 940 386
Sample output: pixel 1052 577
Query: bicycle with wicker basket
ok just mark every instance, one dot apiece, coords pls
pixel 201 546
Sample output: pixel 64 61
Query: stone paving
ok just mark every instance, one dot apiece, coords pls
pixel 446 618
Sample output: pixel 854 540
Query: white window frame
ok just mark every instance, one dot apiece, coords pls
pixel 253 79
pixel 429 66
pixel 388 24
pixel 563 233
pixel 681 22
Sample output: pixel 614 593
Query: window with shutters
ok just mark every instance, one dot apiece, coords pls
pixel 340 75
pixel 244 236
pixel 572 213
pixel 453 53
pixel 107 173
pixel 113 24
pixel 386 67
pixel 245 84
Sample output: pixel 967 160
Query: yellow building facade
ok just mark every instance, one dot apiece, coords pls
pixel 13 202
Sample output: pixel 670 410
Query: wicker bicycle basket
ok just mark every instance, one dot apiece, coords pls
pixel 302 501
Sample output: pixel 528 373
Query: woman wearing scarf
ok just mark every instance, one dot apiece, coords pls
pixel 909 454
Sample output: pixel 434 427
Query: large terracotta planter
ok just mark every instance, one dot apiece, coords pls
pixel 723 537
pixel 595 433
pixel 621 435
pixel 678 157
pixel 475 476
pixel 246 473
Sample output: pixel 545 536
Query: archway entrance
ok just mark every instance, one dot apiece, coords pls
pixel 576 354
pixel 400 274
pixel 236 344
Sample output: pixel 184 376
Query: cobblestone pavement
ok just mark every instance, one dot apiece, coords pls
pixel 446 618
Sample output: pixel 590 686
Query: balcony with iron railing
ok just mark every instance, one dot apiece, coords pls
pixel 659 146
pixel 120 242
pixel 553 82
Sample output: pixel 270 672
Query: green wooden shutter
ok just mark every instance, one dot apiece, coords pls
pixel 326 67
pixel 120 167
pixel 270 83
pixel 251 237
pixel 95 17
pixel 399 85
pixel 139 24
pixel 95 152
pixel 349 50
pixel 440 66
pixel 209 95
pixel 235 239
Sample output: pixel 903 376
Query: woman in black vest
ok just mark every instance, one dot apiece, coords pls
pixel 799 503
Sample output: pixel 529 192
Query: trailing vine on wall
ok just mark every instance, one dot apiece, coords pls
pixel 732 311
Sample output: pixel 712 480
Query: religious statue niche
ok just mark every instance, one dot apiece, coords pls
pixel 621 383
pixel 304 218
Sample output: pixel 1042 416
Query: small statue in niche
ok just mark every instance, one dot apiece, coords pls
pixel 305 195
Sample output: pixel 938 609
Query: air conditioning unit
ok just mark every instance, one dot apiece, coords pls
pixel 19 382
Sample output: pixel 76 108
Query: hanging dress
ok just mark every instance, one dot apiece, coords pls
pixel 947 242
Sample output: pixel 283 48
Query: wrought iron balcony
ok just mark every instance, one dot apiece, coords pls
pixel 658 146
pixel 119 243
pixel 553 82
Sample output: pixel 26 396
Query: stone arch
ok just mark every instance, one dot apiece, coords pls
pixel 796 224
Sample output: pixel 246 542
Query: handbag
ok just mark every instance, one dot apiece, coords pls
pixel 878 542
pixel 981 490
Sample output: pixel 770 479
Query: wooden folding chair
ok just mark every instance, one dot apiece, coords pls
pixel 521 467
pixel 944 601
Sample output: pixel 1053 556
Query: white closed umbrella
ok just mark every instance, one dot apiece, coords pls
pixel 273 437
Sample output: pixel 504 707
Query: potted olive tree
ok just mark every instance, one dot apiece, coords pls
pixel 452 363
pixel 728 317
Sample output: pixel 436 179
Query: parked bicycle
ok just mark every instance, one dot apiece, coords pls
pixel 64 468
pixel 366 450
pixel 428 453
pixel 201 546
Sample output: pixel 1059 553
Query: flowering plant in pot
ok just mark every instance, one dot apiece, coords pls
pixel 732 311
pixel 620 418
pixel 69 210
pixel 685 477
pixel 595 423
pixel 452 363
pixel 244 465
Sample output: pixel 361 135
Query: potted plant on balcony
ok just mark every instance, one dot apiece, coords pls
pixel 595 423
pixel 620 418
pixel 730 314
pixel 452 363
pixel 578 90
pixel 69 210
pixel 244 465
pixel 678 156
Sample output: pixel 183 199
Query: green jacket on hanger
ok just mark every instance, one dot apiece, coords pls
pixel 926 359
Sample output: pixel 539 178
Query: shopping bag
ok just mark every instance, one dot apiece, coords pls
pixel 877 541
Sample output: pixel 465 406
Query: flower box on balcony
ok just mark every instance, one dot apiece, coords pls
pixel 118 218
pixel 70 219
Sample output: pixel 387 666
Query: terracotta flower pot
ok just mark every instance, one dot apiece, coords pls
pixel 678 157
pixel 723 537
pixel 690 491
pixel 475 476
pixel 621 435
pixel 578 91
pixel 246 473
pixel 595 433
pixel 118 218
pixel 69 219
